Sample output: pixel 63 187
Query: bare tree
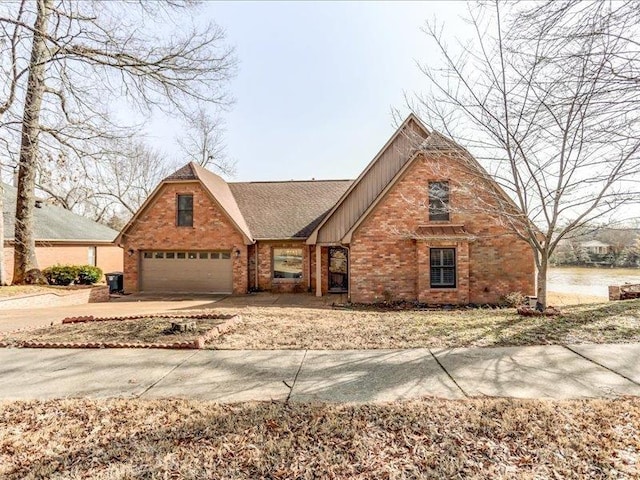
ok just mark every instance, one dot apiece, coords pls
pixel 87 62
pixel 548 104
pixel 9 69
pixel 108 190
pixel 203 142
pixel 125 179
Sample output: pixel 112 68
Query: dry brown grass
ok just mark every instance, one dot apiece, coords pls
pixel 294 328
pixel 17 290
pixel 142 330
pixel 480 438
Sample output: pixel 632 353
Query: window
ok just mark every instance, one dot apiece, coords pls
pixel 170 255
pixel 287 263
pixel 443 267
pixel 192 255
pixel 203 255
pixel 225 255
pixel 181 255
pixel 439 201
pixel 185 211
pixel 91 256
pixel 148 255
pixel 158 255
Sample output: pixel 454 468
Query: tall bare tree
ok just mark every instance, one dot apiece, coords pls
pixel 548 103
pixel 88 63
pixel 203 142
pixel 10 71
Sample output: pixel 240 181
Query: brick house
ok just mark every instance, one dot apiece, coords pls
pixel 62 237
pixel 405 229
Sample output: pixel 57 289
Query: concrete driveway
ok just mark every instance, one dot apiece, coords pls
pixel 126 305
pixel 558 372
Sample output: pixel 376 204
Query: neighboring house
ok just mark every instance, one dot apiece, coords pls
pixel 596 247
pixel 400 231
pixel 62 237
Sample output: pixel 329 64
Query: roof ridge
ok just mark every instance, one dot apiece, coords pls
pixel 295 181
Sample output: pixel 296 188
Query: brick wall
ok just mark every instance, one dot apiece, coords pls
pixel 108 257
pixel 386 262
pixel 155 229
pixel 266 282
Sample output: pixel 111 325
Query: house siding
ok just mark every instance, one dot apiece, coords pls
pixel 387 165
pixel 388 264
pixel 155 229
pixel 108 257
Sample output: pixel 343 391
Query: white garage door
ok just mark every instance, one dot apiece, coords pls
pixel 201 272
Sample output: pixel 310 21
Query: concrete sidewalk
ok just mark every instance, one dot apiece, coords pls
pixel 336 376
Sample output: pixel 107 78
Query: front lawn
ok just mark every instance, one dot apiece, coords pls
pixel 480 438
pixel 146 330
pixel 18 290
pixel 296 328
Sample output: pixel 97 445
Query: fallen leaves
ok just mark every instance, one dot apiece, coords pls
pixel 479 438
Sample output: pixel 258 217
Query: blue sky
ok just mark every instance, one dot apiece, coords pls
pixel 317 82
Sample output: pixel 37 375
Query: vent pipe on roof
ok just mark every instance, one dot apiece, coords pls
pixel 15 176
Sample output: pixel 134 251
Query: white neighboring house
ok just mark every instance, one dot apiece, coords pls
pixel 596 247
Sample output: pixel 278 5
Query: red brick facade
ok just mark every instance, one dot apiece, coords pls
pixel 155 229
pixel 387 259
pixel 266 282
pixel 387 264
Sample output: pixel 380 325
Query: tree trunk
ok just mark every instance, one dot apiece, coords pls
pixel 541 303
pixel 2 269
pixel 25 245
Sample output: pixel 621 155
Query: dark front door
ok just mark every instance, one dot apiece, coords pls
pixel 338 269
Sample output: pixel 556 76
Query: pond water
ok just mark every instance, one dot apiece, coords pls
pixel 589 281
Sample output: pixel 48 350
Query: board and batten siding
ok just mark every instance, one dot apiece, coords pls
pixel 381 171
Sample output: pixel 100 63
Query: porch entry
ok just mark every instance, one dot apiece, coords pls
pixel 338 270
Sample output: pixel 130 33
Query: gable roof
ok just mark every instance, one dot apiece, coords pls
pixel 215 186
pixel 53 223
pixel 278 210
pixel 384 167
pixel 435 142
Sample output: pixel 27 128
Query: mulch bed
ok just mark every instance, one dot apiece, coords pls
pixel 138 331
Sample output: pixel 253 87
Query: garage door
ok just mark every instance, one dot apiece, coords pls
pixel 202 272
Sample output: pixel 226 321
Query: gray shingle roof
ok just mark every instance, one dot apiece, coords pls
pixel 55 223
pixel 278 210
pixel 184 173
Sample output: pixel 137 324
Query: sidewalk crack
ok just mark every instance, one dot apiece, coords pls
pixel 295 379
pixel 601 365
pixel 448 374
pixel 167 374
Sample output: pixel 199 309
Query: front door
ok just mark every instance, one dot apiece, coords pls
pixel 338 269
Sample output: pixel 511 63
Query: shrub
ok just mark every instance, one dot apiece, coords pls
pixel 35 277
pixel 88 275
pixel 513 299
pixel 61 274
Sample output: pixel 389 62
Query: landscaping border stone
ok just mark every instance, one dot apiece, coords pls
pixel 195 344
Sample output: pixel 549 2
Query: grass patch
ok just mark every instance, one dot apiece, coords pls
pixel 19 290
pixel 294 328
pixel 142 330
pixel 480 438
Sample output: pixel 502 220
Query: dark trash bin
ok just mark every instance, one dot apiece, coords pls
pixel 115 280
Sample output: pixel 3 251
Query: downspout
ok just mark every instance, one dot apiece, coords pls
pixel 309 268
pixel 348 274
pixel 256 267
